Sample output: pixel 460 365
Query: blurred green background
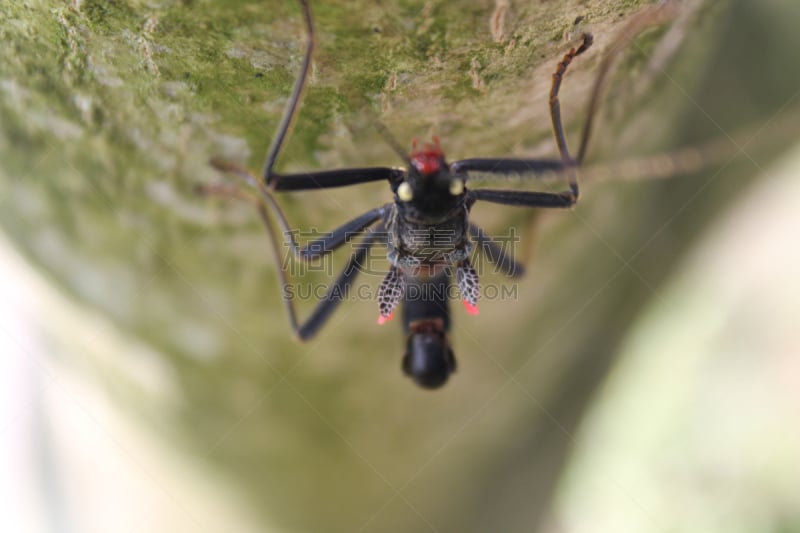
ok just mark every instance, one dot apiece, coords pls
pixel 642 379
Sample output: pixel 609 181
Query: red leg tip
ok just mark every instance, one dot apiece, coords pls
pixel 384 319
pixel 471 309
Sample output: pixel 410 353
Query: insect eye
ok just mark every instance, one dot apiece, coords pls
pixel 404 192
pixel 456 186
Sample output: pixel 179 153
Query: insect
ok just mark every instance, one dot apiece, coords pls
pixel 425 228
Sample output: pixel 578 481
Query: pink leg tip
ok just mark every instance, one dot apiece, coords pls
pixel 471 309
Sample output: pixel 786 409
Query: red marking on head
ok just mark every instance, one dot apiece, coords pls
pixel 471 309
pixel 384 319
pixel 429 159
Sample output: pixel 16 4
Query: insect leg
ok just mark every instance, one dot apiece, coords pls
pixel 265 203
pixel 505 166
pixel 294 99
pixel 328 243
pixel 535 166
pixel 335 293
pixel 523 198
pixel 495 253
pixel 555 113
pixel 327 179
pixel 311 250
pixel 310 180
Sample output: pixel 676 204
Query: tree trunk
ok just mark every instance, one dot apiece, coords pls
pixel 111 110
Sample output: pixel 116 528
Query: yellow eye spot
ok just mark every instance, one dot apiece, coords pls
pixel 456 186
pixel 404 192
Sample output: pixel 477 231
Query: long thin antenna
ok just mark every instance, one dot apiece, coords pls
pixel 286 121
pixel 392 142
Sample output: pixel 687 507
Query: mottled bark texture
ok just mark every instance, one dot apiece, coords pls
pixel 111 110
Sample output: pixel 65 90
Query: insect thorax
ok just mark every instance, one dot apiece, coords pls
pixel 413 244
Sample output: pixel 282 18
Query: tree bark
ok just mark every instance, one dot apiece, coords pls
pixel 111 110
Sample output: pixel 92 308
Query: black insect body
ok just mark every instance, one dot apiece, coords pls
pixel 426 228
pixel 428 358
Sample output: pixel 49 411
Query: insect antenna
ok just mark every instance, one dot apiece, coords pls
pixel 392 142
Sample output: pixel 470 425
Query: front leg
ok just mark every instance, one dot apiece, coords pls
pixel 523 198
